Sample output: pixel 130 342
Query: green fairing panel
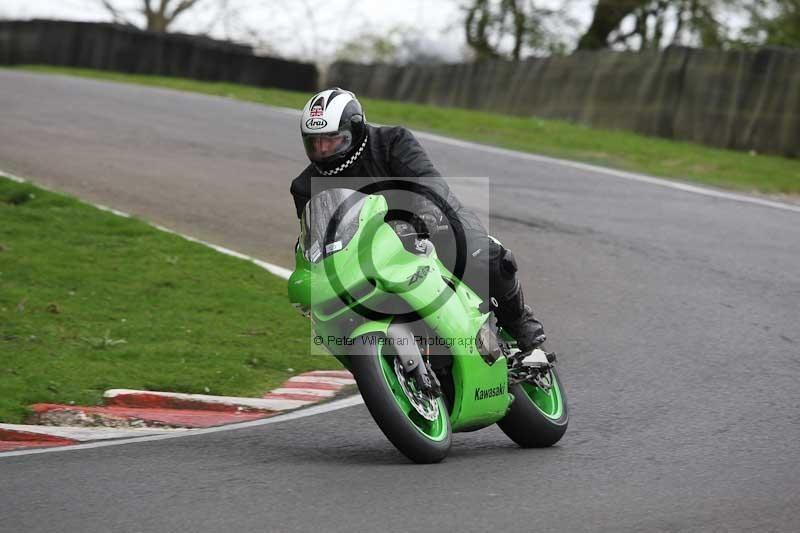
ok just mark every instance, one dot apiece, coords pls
pixel 377 326
pixel 483 389
pixel 300 282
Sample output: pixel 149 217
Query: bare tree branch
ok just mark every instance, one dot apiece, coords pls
pixel 185 5
pixel 158 17
pixel 115 13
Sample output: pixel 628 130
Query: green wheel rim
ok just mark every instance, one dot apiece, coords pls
pixel 550 403
pixel 435 430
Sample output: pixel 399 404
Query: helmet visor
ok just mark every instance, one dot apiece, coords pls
pixel 324 146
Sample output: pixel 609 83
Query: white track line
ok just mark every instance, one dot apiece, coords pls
pixel 277 270
pixel 81 434
pixel 323 393
pixel 311 411
pixel 631 176
pixel 609 172
pixel 322 379
pixel 12 177
pixel 228 401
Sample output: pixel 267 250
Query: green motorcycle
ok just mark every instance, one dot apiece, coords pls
pixel 420 343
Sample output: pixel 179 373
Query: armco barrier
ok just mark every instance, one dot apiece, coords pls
pixel 126 49
pixel 745 100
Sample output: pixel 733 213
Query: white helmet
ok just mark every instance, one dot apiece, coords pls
pixel 334 130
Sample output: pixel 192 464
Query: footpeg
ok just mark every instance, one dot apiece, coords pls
pixel 532 368
pixel 537 358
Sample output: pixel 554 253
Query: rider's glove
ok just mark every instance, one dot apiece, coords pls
pixel 432 222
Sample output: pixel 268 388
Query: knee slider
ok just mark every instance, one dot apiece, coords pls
pixel 508 264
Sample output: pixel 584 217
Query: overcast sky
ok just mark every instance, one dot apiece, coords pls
pixel 298 28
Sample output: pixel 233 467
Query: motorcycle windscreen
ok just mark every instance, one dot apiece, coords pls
pixel 329 222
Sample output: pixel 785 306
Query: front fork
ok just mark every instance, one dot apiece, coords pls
pixel 414 364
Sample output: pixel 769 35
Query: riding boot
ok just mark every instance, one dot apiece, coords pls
pixel 517 318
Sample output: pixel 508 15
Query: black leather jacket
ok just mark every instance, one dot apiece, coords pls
pixel 391 152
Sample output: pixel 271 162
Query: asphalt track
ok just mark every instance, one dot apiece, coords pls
pixel 677 316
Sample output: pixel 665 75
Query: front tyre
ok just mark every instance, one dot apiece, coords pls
pixel 537 418
pixel 420 430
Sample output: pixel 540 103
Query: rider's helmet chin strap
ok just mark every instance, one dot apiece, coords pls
pixel 347 163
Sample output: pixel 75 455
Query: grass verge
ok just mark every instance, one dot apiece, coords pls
pixel 91 301
pixel 611 148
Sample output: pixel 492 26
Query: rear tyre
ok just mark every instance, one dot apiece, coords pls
pixel 537 418
pixel 420 439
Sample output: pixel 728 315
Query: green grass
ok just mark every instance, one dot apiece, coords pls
pixel 91 301
pixel 616 149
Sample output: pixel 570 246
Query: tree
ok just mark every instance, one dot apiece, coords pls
pixel 507 28
pixel 158 15
pixel 608 14
pixel 644 24
pixel 774 22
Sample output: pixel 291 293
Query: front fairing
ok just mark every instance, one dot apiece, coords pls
pixel 374 267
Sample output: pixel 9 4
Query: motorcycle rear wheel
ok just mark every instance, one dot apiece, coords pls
pixel 421 440
pixel 537 418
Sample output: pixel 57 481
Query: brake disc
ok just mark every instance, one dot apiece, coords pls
pixel 424 404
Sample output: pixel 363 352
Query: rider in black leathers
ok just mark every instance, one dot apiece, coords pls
pixel 385 152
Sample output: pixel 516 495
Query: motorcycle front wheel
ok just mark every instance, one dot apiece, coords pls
pixel 417 425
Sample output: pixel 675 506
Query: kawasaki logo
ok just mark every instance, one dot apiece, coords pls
pixel 316 123
pixel 482 394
